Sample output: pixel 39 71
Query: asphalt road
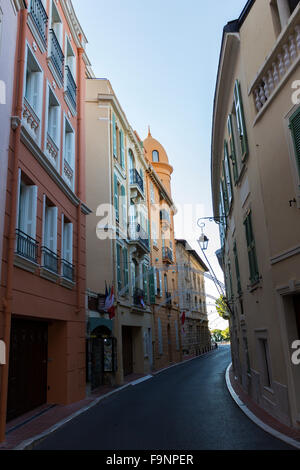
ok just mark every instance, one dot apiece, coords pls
pixel 187 407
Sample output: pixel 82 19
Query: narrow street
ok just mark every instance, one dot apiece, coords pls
pixel 187 407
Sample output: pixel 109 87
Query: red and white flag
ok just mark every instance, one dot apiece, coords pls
pixel 109 303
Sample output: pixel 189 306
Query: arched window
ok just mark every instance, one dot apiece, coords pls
pixel 131 160
pixel 155 156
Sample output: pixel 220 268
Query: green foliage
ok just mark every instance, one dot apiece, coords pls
pixel 222 309
pixel 219 335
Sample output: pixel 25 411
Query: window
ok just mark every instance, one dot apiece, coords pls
pixel 155 156
pixel 254 274
pixel 240 120
pixel 237 269
pixel 70 81
pixel 53 129
pixel 125 272
pixel 33 96
pixel 118 142
pixel 265 362
pixel 227 174
pixel 69 154
pixel 154 234
pixel 234 155
pixel 152 193
pixel 26 244
pixel 49 249
pixel 56 62
pixel 293 5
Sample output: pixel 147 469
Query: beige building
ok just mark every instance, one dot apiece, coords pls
pixel 256 194
pixel 118 248
pixel 192 300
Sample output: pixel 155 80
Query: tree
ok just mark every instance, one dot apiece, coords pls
pixel 217 335
pixel 226 334
pixel 222 308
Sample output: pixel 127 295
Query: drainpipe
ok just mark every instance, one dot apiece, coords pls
pixel 13 184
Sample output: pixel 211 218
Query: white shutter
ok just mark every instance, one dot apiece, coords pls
pixel 53 212
pixel 53 122
pixel 18 199
pixel 68 144
pixel 160 283
pixel 29 223
pixel 155 280
pixel 68 242
pixel 35 90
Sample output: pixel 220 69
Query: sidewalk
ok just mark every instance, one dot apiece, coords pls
pixel 259 416
pixel 23 431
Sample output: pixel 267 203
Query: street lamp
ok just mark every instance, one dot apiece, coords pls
pixel 203 240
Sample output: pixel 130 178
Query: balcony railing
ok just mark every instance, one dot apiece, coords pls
pixel 50 260
pixel 68 270
pixel 139 298
pixel 284 57
pixel 56 55
pixel 52 150
pixel 137 233
pixel 30 119
pixel 167 255
pixel 71 89
pixel 26 246
pixel 40 19
pixel 68 174
pixel 135 178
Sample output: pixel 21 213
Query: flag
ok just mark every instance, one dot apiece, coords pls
pixel 183 318
pixel 142 302
pixel 110 304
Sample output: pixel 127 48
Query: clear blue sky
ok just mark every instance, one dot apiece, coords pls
pixel 161 57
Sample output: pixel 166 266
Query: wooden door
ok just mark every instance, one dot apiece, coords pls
pixel 27 383
pixel 127 350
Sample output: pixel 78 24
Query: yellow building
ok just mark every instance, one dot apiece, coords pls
pixel 118 248
pixel 196 338
pixel 165 301
pixel 256 194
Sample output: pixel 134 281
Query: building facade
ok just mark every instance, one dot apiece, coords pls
pixel 118 255
pixel 164 283
pixel 255 183
pixel 8 40
pixel 42 316
pixel 195 333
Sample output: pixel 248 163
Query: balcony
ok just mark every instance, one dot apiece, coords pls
pixel 165 216
pixel 68 270
pixel 26 246
pixel 136 184
pixel 30 120
pixel 40 20
pixel 138 236
pixel 139 298
pixel 56 58
pixel 52 150
pixel 281 62
pixel 71 91
pixel 167 255
pixel 68 174
pixel 50 260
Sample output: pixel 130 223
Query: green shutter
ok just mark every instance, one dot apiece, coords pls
pixel 225 193
pixel 232 149
pixel 254 273
pixel 116 197
pixel 125 270
pixel 124 206
pixel 295 130
pixel 228 173
pixel 119 277
pixel 114 136
pixel 145 281
pixel 240 119
pixel 122 149
pixel 237 269
pixel 151 286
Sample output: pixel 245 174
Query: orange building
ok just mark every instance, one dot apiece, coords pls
pixel 165 302
pixel 42 313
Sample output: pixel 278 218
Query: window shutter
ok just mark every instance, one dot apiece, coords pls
pixel 122 149
pixel 132 277
pixel 35 90
pixel 240 119
pixel 237 269
pixel 155 280
pixel 160 283
pixel 125 269
pixel 52 213
pixel 145 282
pixel 151 286
pixel 114 136
pixel 227 173
pixel 295 130
pixel 30 210
pixel 119 278
pixel 116 197
pixel 124 206
pixel 225 193
pixel 18 199
pixel 232 149
pixel 254 273
pixel 69 148
pixel 68 242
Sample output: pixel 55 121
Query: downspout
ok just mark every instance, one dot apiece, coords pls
pixel 13 184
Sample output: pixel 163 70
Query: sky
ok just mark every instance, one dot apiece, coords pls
pixel 161 57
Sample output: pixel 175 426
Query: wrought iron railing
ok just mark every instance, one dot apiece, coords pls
pixel 71 89
pixel 26 246
pixel 68 270
pixel 40 19
pixel 137 233
pixel 135 178
pixel 49 260
pixel 56 55
pixel 167 254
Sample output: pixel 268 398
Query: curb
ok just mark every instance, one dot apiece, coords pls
pixel 29 443
pixel 254 418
